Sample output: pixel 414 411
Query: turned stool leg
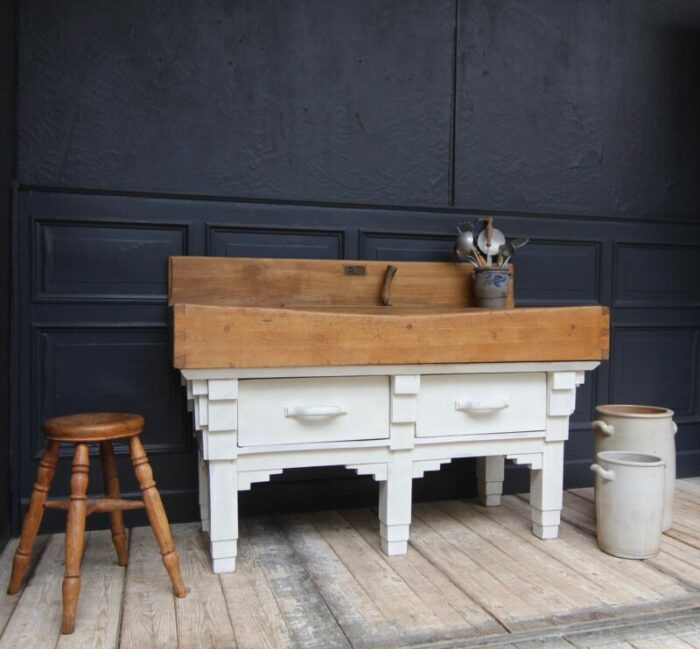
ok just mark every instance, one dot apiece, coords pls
pixel 75 535
pixel 156 514
pixel 32 519
pixel 116 519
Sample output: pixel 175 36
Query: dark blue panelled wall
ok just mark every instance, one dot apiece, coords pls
pixel 337 129
pixel 7 173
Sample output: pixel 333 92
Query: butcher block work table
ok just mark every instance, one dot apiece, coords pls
pixel 297 363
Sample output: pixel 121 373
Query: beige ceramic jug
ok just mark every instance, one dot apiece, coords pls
pixel 629 503
pixel 642 429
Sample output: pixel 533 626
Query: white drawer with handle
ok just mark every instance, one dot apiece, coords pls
pixel 478 404
pixel 304 410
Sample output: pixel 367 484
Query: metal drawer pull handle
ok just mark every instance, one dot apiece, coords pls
pixel 314 411
pixel 481 406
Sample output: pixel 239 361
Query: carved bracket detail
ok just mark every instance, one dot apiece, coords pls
pixel 534 460
pixel 561 392
pixel 247 478
pixel 214 404
pixel 377 470
pixel 421 466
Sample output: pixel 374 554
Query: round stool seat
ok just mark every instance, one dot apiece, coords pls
pixel 93 427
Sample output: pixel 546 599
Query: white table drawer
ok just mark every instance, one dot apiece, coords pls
pixel 478 404
pixel 298 411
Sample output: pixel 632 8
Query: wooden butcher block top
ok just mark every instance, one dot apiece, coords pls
pixel 238 312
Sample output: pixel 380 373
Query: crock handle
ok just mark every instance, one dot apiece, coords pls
pixel 603 473
pixel 604 428
pixel 675 426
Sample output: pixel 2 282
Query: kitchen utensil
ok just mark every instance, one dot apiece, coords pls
pixel 489 230
pixel 496 241
pixel 466 225
pixel 477 228
pixel 464 244
pixel 479 225
pixel 507 250
pixel 489 234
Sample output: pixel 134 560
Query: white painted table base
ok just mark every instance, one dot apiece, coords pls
pixel 410 447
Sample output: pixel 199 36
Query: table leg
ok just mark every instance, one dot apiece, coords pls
pixel 395 503
pixel 546 491
pixel 490 473
pixel 223 507
pixel 203 494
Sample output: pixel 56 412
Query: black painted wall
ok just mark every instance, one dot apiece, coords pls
pixel 349 129
pixel 7 174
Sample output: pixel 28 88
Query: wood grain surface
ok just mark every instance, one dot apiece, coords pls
pixel 241 281
pixel 219 337
pixel 473 576
pixel 241 312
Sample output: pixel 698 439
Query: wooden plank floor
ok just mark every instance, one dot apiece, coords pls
pixel 472 577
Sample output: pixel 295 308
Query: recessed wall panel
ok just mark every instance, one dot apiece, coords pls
pixel 656 366
pixel 88 262
pixel 283 243
pixel 657 275
pixel 557 272
pixel 109 369
pixel 409 247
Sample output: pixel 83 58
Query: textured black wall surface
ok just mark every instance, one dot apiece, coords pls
pixel 583 107
pixel 558 106
pixel 349 130
pixel 307 100
pixel 7 173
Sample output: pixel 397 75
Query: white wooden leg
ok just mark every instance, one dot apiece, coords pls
pixel 223 507
pixel 546 492
pixel 490 474
pixel 395 504
pixel 203 494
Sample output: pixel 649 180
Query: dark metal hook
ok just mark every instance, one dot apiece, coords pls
pixel 386 287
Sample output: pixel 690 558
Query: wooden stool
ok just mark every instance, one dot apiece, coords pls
pixel 81 430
